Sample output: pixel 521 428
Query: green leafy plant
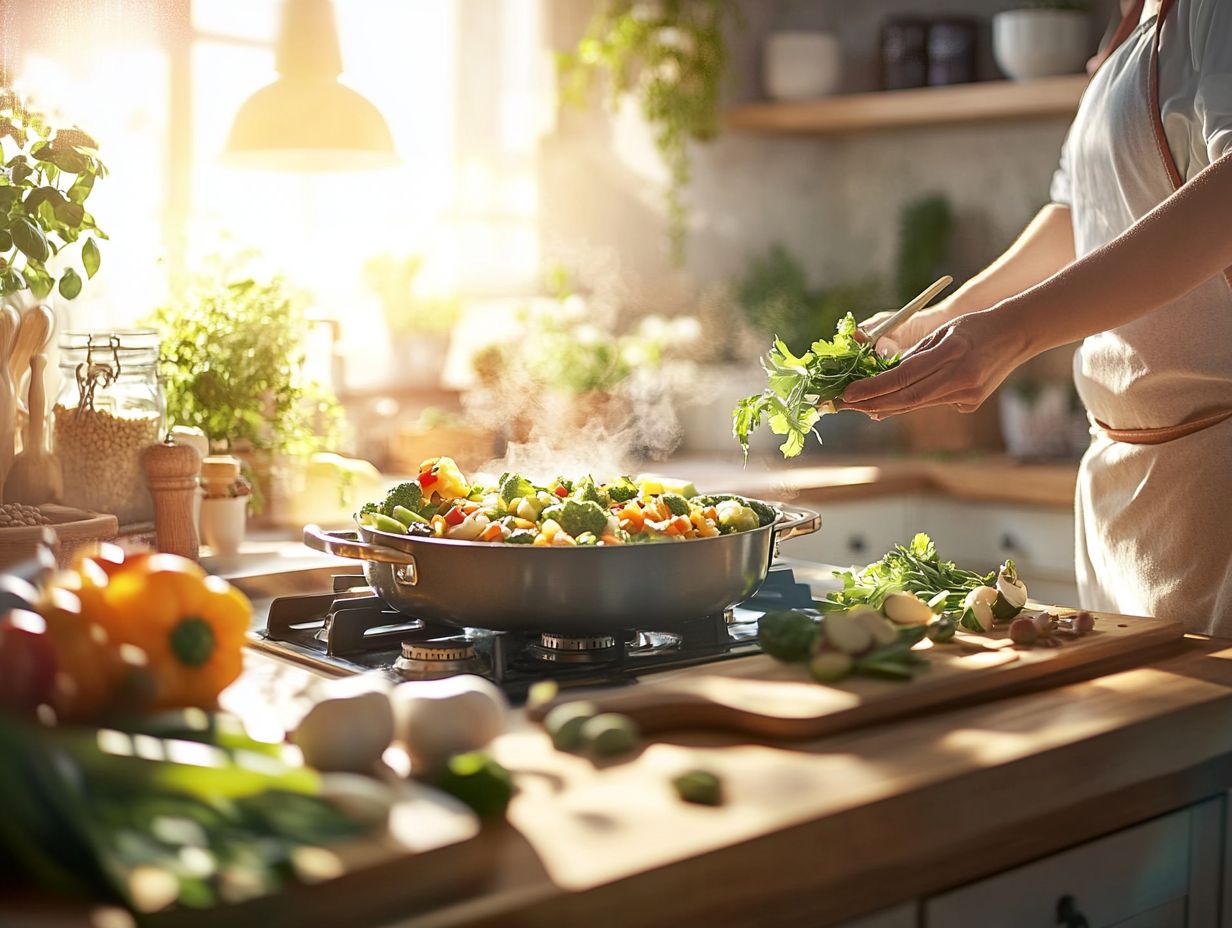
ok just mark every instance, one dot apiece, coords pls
pixel 798 385
pixel 392 279
pixel 672 54
pixel 778 302
pixel 925 227
pixel 46 177
pixel 233 366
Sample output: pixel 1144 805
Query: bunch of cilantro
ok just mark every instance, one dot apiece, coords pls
pixel 797 386
pixel 915 568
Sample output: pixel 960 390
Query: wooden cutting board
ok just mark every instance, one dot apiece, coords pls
pixel 765 698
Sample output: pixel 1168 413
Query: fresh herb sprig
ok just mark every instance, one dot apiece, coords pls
pixel 914 568
pixel 798 385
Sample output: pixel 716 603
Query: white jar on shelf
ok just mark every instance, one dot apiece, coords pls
pixel 801 65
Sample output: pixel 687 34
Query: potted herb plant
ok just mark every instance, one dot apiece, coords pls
pixel 233 366
pixel 46 177
pixel 1043 39
pixel 419 326
pixel 671 55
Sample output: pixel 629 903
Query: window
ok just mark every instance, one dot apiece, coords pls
pixel 459 81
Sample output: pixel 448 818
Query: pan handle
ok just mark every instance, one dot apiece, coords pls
pixel 351 546
pixel 796 522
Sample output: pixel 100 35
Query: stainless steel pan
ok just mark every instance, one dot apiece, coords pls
pixel 577 590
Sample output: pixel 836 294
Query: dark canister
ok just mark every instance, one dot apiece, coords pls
pixel 951 50
pixel 904 53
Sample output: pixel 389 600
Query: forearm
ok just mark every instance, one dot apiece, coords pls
pixel 1045 246
pixel 1183 242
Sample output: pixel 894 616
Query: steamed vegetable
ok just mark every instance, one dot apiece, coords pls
pixel 861 641
pixel 479 781
pixel 799 385
pixel 565 513
pixel 610 734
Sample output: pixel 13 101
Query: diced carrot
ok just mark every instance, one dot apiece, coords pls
pixel 711 513
pixel 493 532
pixel 610 540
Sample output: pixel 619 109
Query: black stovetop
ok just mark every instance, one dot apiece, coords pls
pixel 349 630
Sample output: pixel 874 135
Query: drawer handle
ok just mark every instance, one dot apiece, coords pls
pixel 1068 915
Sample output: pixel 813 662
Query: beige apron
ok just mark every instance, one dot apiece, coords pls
pixel 1154 500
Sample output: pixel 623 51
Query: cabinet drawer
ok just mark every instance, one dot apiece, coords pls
pixel 982 535
pixel 855 532
pixel 1111 880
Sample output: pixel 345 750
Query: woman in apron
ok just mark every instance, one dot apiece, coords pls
pixel 1132 257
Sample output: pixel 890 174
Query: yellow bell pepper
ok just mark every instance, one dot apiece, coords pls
pixel 190 626
pixel 93 674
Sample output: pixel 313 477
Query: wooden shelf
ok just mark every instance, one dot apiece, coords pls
pixel 929 106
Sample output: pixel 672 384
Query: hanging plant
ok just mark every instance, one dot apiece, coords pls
pixel 46 175
pixel 672 55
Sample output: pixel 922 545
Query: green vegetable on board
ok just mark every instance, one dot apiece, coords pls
pixel 798 385
pixel 787 635
pixel 700 787
pixel 914 568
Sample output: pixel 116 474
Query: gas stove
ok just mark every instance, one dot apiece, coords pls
pixel 350 630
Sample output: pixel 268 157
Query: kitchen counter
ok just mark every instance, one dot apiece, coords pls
pixel 983 479
pixel 820 832
pixel 823 831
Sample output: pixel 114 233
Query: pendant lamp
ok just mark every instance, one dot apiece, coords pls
pixel 306 120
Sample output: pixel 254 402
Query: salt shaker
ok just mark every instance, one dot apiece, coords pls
pixel 171 472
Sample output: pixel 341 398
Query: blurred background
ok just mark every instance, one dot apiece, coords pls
pixel 526 252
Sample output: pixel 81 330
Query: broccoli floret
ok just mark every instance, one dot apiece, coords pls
pixel 577 517
pixel 408 495
pixel 676 504
pixel 586 490
pixel 522 536
pixel 368 509
pixel 515 486
pixel 621 490
pixel 766 514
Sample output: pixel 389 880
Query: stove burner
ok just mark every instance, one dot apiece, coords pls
pixel 554 642
pixel 432 658
pixel 575 649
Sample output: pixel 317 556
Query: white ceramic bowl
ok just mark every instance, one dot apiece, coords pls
pixel 1041 43
pixel 801 65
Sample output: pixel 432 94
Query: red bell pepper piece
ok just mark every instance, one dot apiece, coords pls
pixel 561 492
pixel 455 516
pixel 427 478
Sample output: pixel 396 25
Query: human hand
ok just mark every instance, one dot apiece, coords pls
pixel 911 332
pixel 959 364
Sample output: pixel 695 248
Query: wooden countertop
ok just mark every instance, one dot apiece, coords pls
pixel 985 479
pixel 822 832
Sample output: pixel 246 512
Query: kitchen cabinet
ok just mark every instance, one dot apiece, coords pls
pixel 1163 873
pixel 976 535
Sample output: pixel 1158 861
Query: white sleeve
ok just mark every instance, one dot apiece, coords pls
pixel 1061 190
pixel 1210 30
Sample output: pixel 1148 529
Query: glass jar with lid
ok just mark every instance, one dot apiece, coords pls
pixel 109 408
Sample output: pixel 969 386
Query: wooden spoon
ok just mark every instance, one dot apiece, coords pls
pixel 35 477
pixel 9 321
pixel 885 328
pixel 32 337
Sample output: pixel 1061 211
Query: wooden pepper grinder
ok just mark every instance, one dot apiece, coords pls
pixel 171 472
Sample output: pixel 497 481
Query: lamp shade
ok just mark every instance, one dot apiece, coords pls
pixel 306 120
